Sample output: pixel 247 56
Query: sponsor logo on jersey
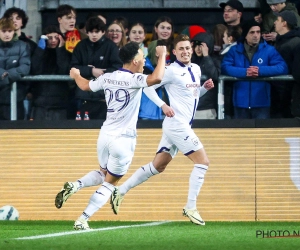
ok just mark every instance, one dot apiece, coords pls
pixel 140 78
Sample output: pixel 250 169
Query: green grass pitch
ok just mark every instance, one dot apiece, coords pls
pixel 117 235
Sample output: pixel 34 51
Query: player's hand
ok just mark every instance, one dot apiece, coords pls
pixel 74 72
pixel 161 51
pixel 168 111
pixel 209 84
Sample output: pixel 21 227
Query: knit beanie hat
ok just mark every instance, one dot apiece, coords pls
pixel 247 25
pixel 275 1
pixel 192 30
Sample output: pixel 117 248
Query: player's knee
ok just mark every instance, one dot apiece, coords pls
pixel 160 168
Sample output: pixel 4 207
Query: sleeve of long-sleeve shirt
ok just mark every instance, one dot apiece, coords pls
pixel 153 96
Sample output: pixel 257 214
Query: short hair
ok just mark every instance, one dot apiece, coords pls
pixel 21 13
pixel 95 23
pixel 52 29
pixel 64 10
pixel 180 38
pixel 6 24
pixel 128 52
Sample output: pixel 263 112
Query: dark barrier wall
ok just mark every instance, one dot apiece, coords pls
pixel 254 171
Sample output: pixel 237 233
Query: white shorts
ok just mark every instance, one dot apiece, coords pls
pixel 115 153
pixel 183 139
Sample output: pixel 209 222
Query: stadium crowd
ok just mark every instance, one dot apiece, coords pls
pixel 264 46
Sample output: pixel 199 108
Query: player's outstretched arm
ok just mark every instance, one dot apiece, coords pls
pixel 158 73
pixel 81 82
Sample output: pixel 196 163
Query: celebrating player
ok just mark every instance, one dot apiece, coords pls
pixel 117 138
pixel 182 83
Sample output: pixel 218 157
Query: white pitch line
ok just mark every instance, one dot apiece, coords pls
pixel 90 231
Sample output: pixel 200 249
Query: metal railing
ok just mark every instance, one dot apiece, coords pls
pixel 221 80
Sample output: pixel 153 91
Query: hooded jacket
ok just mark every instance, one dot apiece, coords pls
pixel 210 67
pixel 14 64
pixel 247 93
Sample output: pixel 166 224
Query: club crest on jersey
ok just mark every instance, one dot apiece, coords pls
pixel 140 78
pixel 195 141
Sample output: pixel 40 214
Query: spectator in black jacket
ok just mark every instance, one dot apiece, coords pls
pixel 93 56
pixel 203 46
pixel 50 98
pixel 286 41
pixel 14 63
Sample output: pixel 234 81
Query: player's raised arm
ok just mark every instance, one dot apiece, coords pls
pixel 82 83
pixel 159 70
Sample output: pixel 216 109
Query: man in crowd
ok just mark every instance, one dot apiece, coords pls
pixel 252 57
pixel 233 11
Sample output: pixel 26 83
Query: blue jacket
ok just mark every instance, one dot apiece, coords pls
pixel 247 94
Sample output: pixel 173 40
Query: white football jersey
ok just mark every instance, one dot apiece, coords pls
pixel 123 91
pixel 183 86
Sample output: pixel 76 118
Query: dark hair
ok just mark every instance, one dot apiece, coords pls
pixel 123 21
pixel 95 23
pixel 158 22
pixel 180 38
pixel 64 10
pixel 138 24
pixel 128 52
pixel 21 13
pixel 218 33
pixel 52 29
pixel 235 32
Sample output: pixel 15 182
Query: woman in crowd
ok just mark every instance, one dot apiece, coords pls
pixel 162 34
pixel 116 33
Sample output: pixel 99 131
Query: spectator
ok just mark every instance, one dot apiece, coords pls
pixel 81 26
pixel 20 20
pixel 66 16
pixel 232 12
pixel 50 98
pixel 116 33
pixel 286 41
pixel 276 6
pixel 162 34
pixel 14 63
pixel 192 30
pixel 124 21
pixel 218 33
pixel 252 57
pixel 231 35
pixel 93 56
pixel 137 33
pixel 203 49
